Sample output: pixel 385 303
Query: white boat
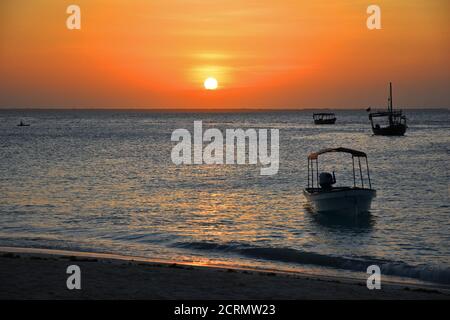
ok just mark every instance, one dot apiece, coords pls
pixel 324 198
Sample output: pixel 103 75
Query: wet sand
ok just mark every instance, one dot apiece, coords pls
pixel 41 274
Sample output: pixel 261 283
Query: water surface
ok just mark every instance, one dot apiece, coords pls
pixel 104 181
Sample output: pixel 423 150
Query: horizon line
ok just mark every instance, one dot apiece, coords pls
pixel 197 109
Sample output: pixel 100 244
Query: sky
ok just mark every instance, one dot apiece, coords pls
pixel 290 54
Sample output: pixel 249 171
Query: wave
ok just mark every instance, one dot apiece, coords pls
pixel 394 268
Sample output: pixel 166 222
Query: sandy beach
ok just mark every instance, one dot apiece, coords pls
pixel 41 274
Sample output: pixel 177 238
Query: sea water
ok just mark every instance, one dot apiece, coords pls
pixel 104 181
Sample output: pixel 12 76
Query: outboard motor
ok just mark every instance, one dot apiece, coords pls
pixel 326 180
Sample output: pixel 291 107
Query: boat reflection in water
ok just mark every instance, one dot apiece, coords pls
pixel 362 223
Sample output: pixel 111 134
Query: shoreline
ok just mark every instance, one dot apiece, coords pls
pixel 30 273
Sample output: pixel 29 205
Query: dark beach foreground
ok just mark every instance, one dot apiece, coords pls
pixel 41 274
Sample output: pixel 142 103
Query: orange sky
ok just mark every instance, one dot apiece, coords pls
pixel 264 53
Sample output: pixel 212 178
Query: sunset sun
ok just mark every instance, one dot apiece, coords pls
pixel 210 84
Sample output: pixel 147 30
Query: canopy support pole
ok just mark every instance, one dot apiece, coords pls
pixel 360 172
pixel 368 174
pixel 308 173
pixel 317 171
pixel 354 175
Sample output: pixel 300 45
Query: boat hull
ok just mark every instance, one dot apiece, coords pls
pixel 394 130
pixel 325 121
pixel 348 202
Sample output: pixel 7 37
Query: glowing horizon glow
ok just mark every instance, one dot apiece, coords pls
pixel 210 83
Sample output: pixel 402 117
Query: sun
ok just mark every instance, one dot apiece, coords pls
pixel 210 83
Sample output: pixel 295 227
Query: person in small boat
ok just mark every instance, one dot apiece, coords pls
pixel 326 180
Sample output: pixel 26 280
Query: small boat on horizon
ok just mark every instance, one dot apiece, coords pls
pixel 324 118
pixel 345 200
pixel 396 121
pixel 21 124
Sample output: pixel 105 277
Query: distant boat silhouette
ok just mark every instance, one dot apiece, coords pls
pixel 397 121
pixel 324 118
pixel 21 124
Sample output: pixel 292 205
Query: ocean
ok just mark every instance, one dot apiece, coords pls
pixel 103 181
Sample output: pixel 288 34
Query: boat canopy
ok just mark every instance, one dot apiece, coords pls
pixel 354 153
pixel 323 115
pixel 313 157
